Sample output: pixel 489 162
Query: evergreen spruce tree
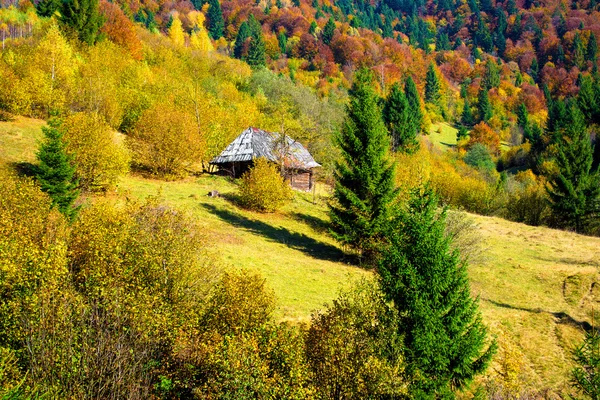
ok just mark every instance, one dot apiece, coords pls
pixel 592 48
pixel 282 40
pixel 467 118
pixel 396 114
pixel 491 78
pixel 586 375
pixel 82 18
pixel 328 31
pixel 518 79
pixel 216 25
pixel 242 35
pixel 574 191
pixel 414 102
pixel 446 342
pixel 432 86
pixel 534 70
pixel 55 171
pixel 47 8
pixel 256 52
pixel 484 106
pixel 587 99
pixel 578 53
pixel 364 180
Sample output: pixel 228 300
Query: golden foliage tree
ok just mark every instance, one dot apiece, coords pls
pixel 166 141
pixel 98 153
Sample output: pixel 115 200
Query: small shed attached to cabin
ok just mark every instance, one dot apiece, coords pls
pixel 254 143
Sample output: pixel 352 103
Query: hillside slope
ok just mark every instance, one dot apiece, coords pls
pixel 537 286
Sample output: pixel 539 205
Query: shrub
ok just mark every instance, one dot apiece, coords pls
pixel 263 188
pixel 483 134
pixel 99 157
pixel 479 156
pixel 353 348
pixel 527 199
pixel 166 141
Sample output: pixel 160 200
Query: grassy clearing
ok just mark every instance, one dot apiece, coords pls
pixel 19 140
pixel 443 135
pixel 537 286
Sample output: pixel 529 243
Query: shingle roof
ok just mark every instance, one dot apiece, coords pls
pixel 254 143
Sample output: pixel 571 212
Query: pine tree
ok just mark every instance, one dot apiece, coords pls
pixel 491 78
pixel 282 41
pixel 364 189
pixel 587 99
pixel 445 339
pixel 242 35
pixel 55 171
pixel 574 191
pixel 592 48
pixel 586 375
pixel 414 102
pixel 256 51
pixel 83 18
pixel 396 114
pixel 216 25
pixel 534 70
pixel 328 31
pixel 578 55
pixel 47 8
pixel 432 86
pixel 484 106
pixel 467 118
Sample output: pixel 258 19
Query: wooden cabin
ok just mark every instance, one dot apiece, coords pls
pixel 253 143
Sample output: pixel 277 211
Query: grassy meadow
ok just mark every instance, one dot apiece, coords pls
pixel 537 287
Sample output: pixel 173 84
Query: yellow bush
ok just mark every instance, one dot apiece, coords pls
pixel 99 157
pixel 263 188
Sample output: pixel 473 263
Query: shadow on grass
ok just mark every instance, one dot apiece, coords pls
pixel 293 240
pixel 563 317
pixel 451 145
pixel 24 168
pixel 316 223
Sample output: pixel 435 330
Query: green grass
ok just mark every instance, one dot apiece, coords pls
pixel 537 286
pixel 442 135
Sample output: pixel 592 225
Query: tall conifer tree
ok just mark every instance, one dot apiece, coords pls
pixel 328 31
pixel 446 342
pixel 55 171
pixel 484 106
pixel 364 189
pixel 216 25
pixel 83 18
pixel 575 190
pixel 414 102
pixel 432 86
pixel 396 114
pixel 47 8
pixel 467 114
pixel 256 51
pixel 242 35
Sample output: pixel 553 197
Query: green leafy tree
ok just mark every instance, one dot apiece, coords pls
pixel 585 377
pixel 242 35
pixel 396 114
pixel 364 189
pixel 55 171
pixel 432 86
pixel 328 31
pixel 47 8
pixel 414 102
pixel 446 343
pixel 216 25
pixel 575 190
pixel 578 52
pixel 256 52
pixel 484 105
pixel 82 18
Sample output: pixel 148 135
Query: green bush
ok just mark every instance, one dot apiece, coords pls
pixel 479 156
pixel 263 188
